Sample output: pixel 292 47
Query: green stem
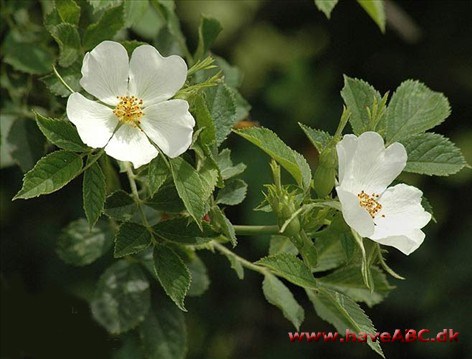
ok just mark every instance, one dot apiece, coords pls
pixel 342 122
pixel 243 230
pixel 245 263
pixel 135 193
pixel 90 162
pixel 132 181
pixel 385 266
pixel 276 173
pixel 62 80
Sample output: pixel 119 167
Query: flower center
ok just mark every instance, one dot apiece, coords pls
pixel 370 203
pixel 129 110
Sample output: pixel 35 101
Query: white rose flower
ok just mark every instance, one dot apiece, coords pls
pixel 391 216
pixel 134 105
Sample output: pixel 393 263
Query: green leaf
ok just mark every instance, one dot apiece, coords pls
pixel 320 139
pixel 326 6
pixel 307 250
pixel 71 76
pixel 6 159
pixel 68 38
pixel 376 10
pixel 428 208
pixel 281 244
pixel 130 348
pixel 51 173
pixel 60 133
pixel 413 109
pixel 172 273
pixel 432 154
pixel 207 32
pixel 94 193
pixel 279 295
pixel 232 74
pixel 233 193
pixel 222 107
pixel 343 313
pixel 80 245
pixel 120 206
pixel 180 230
pixel 68 11
pixel 150 25
pixel 157 174
pixel 225 164
pixel 235 264
pixel 167 200
pixel 163 333
pixel 291 268
pixel 26 144
pixel 31 58
pixel 130 239
pixel 289 159
pixel 223 224
pixel 209 175
pixel 190 187
pixel 167 9
pixel 112 179
pixel 348 280
pixel 109 24
pixel 334 245
pixel 52 18
pixel 122 298
pixel 103 4
pixel 242 106
pixel 204 121
pixel 199 275
pixel 134 11
pixel 131 45
pixel 358 96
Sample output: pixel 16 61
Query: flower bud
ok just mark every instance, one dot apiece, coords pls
pixel 324 177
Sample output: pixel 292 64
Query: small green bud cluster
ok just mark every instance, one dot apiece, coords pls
pixel 286 205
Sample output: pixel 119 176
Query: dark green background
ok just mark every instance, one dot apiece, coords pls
pixel 293 59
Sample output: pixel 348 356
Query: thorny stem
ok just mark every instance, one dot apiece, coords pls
pixel 245 263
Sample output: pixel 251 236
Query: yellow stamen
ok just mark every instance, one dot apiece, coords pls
pixel 370 203
pixel 129 110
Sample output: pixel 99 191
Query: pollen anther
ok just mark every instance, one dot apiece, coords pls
pixel 370 203
pixel 129 110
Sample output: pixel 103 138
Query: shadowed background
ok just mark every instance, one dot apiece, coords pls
pixel 293 60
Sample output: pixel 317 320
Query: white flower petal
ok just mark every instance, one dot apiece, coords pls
pixel 371 167
pixel 354 215
pixel 401 206
pixel 129 143
pixel 95 122
pixel 169 125
pixel 154 78
pixel 105 72
pixel 406 243
pixel 387 167
pixel 345 149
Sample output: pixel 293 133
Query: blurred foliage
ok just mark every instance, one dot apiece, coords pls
pixel 292 59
